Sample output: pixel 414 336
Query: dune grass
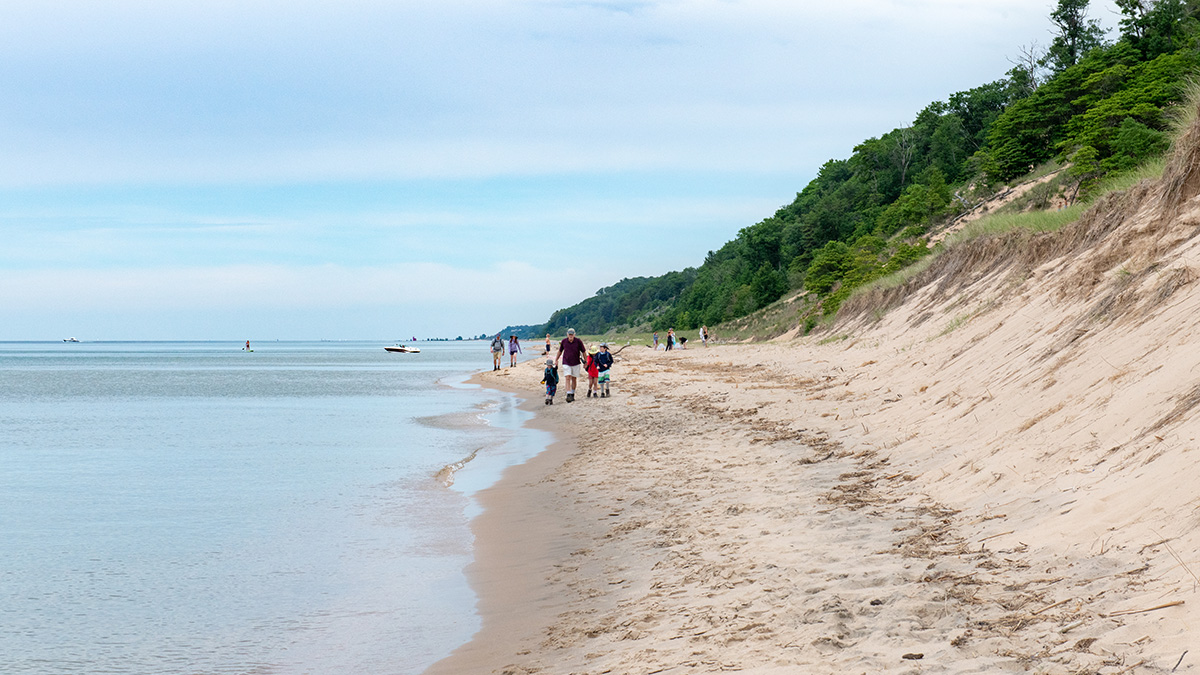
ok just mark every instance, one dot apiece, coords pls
pixel 1051 221
pixel 1030 221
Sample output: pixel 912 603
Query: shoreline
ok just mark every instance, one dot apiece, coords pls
pixel 520 534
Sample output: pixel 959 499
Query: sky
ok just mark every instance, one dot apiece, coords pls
pixel 373 169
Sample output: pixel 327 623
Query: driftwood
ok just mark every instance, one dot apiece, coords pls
pixel 1142 611
pixel 1136 665
pixel 1050 607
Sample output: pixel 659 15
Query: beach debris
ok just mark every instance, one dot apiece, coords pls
pixel 1050 607
pixel 1085 644
pixel 1125 612
pixel 913 656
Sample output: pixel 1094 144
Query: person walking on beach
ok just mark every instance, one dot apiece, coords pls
pixel 604 361
pixel 570 352
pixel 497 352
pixel 550 379
pixel 670 339
pixel 655 340
pixel 592 372
pixel 514 348
pixel 547 345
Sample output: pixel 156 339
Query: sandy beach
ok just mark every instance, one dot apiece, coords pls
pixel 993 474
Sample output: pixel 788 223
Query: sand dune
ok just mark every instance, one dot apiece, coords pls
pixel 996 475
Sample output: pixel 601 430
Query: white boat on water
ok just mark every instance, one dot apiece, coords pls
pixel 402 349
pixel 70 339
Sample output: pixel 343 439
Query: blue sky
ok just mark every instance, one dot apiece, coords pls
pixel 301 170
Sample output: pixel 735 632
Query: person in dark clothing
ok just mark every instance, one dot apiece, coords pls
pixel 570 352
pixel 550 379
pixel 604 362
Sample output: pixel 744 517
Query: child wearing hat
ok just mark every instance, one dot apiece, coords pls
pixel 604 361
pixel 592 373
pixel 550 379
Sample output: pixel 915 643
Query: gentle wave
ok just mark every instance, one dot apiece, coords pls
pixel 446 474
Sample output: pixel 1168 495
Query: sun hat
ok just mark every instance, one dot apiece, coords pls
pixel 604 344
pixel 570 331
pixel 592 349
pixel 549 362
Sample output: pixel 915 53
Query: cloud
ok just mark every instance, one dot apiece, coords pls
pixel 117 91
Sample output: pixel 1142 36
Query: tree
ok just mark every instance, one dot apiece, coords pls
pixel 1134 143
pixel 1154 27
pixel 1028 69
pixel 903 147
pixel 1077 35
pixel 1085 170
pixel 828 267
pixel 767 285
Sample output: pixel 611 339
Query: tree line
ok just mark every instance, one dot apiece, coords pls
pixel 1103 107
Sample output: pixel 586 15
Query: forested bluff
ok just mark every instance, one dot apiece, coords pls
pixel 1094 107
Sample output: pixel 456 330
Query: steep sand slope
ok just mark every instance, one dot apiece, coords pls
pixel 999 474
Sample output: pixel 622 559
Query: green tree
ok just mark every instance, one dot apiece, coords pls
pixel 1133 144
pixel 1077 35
pixel 828 267
pixel 1085 170
pixel 768 285
pixel 1155 27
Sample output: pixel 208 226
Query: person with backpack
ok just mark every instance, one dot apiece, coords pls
pixel 550 379
pixel 497 352
pixel 604 362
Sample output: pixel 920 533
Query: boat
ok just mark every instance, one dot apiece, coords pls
pixel 402 349
pixel 70 339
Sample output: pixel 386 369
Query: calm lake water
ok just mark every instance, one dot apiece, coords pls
pixel 194 508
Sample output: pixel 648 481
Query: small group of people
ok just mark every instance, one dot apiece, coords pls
pixel 514 348
pixel 577 358
pixel 673 339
